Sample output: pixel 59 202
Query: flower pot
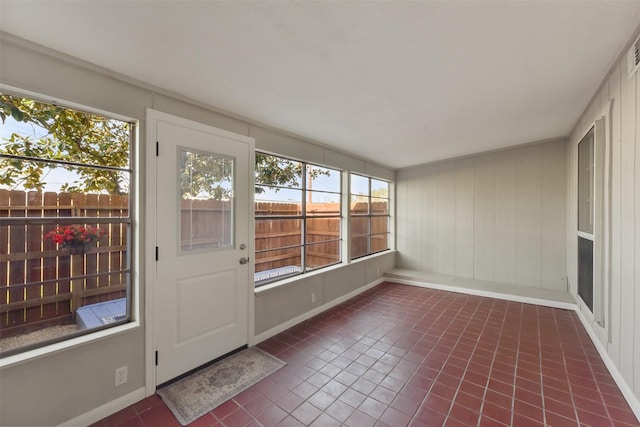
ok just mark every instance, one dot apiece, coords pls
pixel 77 248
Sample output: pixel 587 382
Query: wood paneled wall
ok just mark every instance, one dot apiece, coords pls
pixel 498 216
pixel 618 100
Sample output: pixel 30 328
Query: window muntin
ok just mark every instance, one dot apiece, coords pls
pixel 66 236
pixel 297 217
pixel 369 215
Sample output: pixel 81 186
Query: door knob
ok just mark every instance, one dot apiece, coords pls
pixel 244 260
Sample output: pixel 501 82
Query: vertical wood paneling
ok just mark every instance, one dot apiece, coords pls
pixel 429 257
pixel 616 123
pixel 529 210
pixel 402 223
pixel 505 216
pixel 446 218
pixel 465 187
pixel 553 208
pixel 484 218
pixel 414 242
pixel 627 259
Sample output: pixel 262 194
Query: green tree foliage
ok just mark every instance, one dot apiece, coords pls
pixel 68 135
pixel 87 139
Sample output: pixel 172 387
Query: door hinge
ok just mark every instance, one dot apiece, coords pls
pixel 157 148
pixel 156 357
pixel 156 253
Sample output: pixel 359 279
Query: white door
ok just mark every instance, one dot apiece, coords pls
pixel 202 233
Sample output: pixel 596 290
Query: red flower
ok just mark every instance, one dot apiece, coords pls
pixel 72 235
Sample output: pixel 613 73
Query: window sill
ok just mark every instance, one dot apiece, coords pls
pixel 58 347
pixel 289 280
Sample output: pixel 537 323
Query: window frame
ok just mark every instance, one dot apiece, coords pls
pixel 303 217
pixel 369 216
pixel 131 264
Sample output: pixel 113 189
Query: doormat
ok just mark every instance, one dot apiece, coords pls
pixel 204 390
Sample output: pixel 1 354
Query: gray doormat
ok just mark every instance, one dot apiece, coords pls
pixel 204 390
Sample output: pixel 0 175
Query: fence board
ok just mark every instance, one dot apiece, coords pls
pixel 16 268
pixel 34 239
pixel 49 260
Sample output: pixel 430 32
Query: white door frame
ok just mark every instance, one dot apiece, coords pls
pixel 149 229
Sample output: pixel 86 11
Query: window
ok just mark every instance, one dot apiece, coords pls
pixel 66 228
pixel 297 217
pixel 369 209
pixel 586 211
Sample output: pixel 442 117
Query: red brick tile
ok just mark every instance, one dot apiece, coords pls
pixel 466 415
pixel 429 417
pixel 207 420
pixel 272 415
pixel 497 413
pixel 225 409
pixel 121 417
pixel 393 417
pixel 360 419
pixel 340 410
pixel 159 415
pixel 306 413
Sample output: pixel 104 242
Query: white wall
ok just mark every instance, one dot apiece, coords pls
pixel 618 101
pixel 497 216
pixel 73 382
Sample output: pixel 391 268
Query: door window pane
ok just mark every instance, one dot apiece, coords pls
pixel 205 201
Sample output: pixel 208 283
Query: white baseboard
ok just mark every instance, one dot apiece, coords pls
pixel 627 392
pixel 107 409
pixel 309 314
pixel 490 294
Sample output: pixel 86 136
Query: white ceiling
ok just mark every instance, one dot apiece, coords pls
pixel 399 83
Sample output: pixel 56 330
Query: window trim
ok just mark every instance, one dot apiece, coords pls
pixel 75 340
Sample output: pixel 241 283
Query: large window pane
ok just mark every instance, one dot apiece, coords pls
pixel 277 202
pixel 323 179
pixel 323 229
pixel 359 246
pixel 277 171
pixel 205 207
pixel 379 206
pixel 359 226
pixel 379 224
pixel 66 233
pixel 322 254
pixel 278 233
pixel 320 203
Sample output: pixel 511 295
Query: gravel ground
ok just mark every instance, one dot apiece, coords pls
pixel 36 336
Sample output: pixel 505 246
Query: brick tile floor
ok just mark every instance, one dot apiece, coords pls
pixel 400 355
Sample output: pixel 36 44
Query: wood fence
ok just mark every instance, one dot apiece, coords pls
pixel 41 285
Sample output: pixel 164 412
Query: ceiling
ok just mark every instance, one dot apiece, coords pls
pixel 398 83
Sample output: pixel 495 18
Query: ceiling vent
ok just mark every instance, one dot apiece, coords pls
pixel 633 57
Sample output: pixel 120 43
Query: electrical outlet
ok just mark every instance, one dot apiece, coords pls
pixel 121 376
pixel 378 271
pixel 313 298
